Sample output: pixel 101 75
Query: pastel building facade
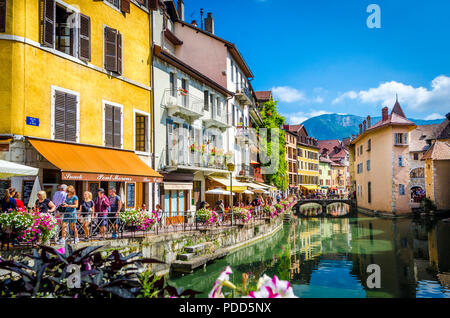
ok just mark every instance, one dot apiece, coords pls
pixel 381 163
pixel 76 95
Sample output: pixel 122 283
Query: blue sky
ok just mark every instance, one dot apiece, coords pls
pixel 319 56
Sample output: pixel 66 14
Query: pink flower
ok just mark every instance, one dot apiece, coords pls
pixel 222 280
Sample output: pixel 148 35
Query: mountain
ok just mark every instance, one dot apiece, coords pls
pixel 334 126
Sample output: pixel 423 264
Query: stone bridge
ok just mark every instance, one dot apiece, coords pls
pixel 322 202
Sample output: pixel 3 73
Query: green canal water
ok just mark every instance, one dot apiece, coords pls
pixel 328 258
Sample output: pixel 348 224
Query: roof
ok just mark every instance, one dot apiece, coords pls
pixel 263 95
pixel 295 128
pixel 324 159
pixel 396 118
pixel 444 129
pixel 329 144
pixel 420 135
pixel 169 58
pixel 231 46
pixel 440 150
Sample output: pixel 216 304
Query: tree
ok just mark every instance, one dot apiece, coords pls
pixel 272 119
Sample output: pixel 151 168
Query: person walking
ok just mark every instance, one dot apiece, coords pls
pixel 70 215
pixel 161 217
pixel 220 208
pixel 101 206
pixel 60 196
pixel 115 205
pixel 87 211
pixel 8 203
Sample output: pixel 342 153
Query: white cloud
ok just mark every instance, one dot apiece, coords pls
pixel 300 117
pixel 437 98
pixel 288 94
pixel 434 116
pixel 318 99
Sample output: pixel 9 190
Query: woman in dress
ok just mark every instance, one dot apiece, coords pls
pixel 70 215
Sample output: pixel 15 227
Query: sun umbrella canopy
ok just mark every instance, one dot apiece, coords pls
pixel 218 192
pixel 10 169
pixel 247 192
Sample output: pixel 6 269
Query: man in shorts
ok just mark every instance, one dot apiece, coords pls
pixel 115 204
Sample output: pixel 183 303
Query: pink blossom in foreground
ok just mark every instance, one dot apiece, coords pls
pixel 222 280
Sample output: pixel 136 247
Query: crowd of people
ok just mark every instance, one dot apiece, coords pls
pixel 69 209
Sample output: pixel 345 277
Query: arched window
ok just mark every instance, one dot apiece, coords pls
pixel 417 173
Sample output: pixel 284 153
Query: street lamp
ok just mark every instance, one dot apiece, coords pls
pixel 231 167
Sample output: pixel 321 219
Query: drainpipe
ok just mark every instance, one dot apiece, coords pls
pixel 152 102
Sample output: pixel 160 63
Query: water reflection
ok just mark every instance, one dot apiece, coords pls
pixel 328 257
pixel 332 210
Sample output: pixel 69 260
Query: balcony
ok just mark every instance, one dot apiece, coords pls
pixel 244 96
pixel 242 134
pixel 181 104
pixel 178 158
pixel 245 171
pixel 217 120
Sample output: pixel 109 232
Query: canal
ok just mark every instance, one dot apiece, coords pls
pixel 328 258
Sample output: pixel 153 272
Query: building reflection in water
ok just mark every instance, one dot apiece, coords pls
pixel 413 255
pixel 334 210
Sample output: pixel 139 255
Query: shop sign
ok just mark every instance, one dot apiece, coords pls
pixel 77 176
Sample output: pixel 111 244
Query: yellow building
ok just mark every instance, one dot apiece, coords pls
pixel 381 163
pixel 79 74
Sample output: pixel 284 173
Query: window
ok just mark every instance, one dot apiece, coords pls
pixel 369 144
pixel 368 165
pixel 400 161
pixel 65 29
pixel 416 156
pixel 218 106
pixel 65 116
pixel 2 15
pixel 361 149
pixel 115 3
pixel 113 50
pixel 113 126
pixel 173 84
pixel 369 192
pixel 141 132
pixel 232 71
pixel 401 189
pixel 401 139
pixel 206 100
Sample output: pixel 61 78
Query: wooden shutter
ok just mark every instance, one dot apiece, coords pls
pixel 110 49
pixel 2 15
pixel 48 22
pixel 71 118
pixel 153 4
pixel 119 53
pixel 60 115
pixel 109 139
pixel 169 146
pixel 117 127
pixel 84 39
pixel 125 6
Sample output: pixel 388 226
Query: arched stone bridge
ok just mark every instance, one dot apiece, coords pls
pixel 322 202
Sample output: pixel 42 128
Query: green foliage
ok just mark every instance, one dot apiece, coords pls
pixel 272 119
pixel 428 205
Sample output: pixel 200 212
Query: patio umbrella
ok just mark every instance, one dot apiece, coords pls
pixel 259 191
pixel 10 169
pixel 34 191
pixel 219 192
pixel 247 192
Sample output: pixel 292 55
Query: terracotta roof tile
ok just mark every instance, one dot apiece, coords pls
pixel 263 95
pixel 439 151
pixel 420 135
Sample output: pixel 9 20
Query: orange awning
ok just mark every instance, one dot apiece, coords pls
pixel 90 163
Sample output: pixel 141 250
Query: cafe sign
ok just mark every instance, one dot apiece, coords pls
pixel 76 176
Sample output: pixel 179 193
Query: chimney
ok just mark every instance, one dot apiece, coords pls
pixel 353 136
pixel 360 129
pixel 368 122
pixel 180 9
pixel 201 18
pixel 194 23
pixel 209 23
pixel 365 125
pixel 384 114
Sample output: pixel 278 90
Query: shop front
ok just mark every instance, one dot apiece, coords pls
pixel 176 196
pixel 89 168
